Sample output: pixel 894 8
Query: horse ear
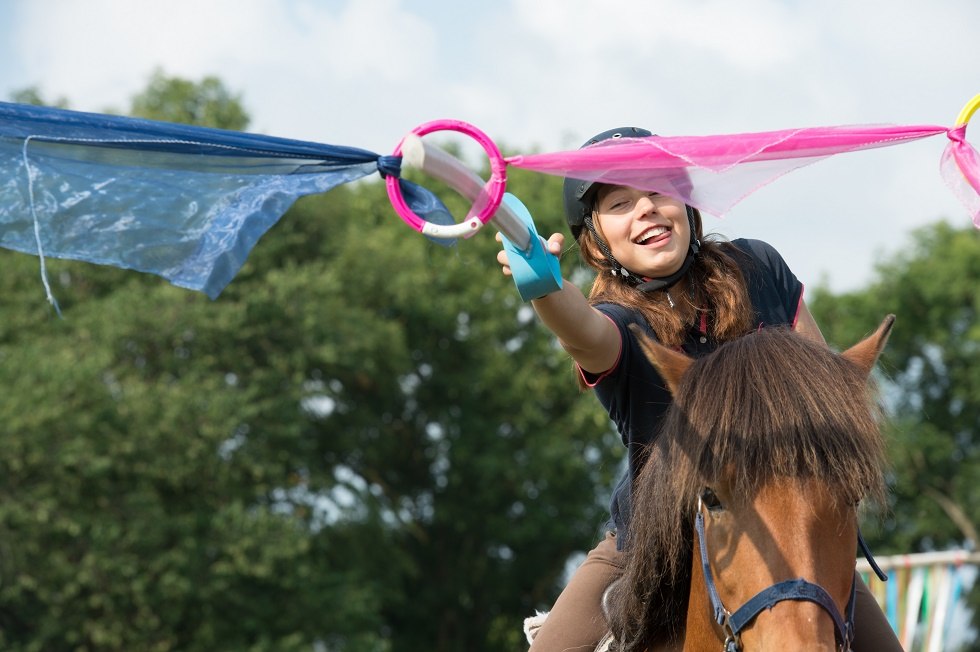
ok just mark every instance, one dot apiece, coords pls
pixel 865 353
pixel 670 363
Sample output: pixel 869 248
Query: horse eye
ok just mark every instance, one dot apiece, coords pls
pixel 710 500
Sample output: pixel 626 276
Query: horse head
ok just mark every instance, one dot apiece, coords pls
pixel 749 497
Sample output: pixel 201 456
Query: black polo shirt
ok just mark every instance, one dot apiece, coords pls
pixel 634 394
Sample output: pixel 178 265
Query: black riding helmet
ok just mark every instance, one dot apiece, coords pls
pixel 579 195
pixel 579 201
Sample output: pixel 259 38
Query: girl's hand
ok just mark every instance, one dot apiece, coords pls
pixel 554 246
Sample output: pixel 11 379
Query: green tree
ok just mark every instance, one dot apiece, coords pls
pixel 930 384
pixel 367 443
pixel 32 95
pixel 129 518
pixel 207 102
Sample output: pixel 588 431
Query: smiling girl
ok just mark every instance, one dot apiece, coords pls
pixel 656 269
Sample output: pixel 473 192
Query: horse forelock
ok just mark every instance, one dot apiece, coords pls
pixel 775 405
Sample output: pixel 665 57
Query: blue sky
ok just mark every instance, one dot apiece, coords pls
pixel 547 74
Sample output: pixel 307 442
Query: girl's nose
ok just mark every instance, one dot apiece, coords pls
pixel 645 204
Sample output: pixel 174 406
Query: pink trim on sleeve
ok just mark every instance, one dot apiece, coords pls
pixel 590 379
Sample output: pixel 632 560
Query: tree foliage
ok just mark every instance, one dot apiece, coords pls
pixel 207 102
pixel 32 95
pixel 366 443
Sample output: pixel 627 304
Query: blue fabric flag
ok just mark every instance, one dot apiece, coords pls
pixel 187 203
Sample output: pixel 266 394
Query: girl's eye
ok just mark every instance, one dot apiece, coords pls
pixel 710 500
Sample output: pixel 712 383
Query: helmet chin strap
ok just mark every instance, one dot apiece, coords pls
pixel 642 283
pixel 666 282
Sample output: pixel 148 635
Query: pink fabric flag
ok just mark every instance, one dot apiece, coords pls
pixel 713 173
pixel 960 167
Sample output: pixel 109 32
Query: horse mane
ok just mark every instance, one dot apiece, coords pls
pixel 767 405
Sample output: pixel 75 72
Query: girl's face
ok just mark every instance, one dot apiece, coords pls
pixel 648 233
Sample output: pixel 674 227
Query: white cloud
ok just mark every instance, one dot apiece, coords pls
pixel 374 40
pixel 101 50
pixel 752 36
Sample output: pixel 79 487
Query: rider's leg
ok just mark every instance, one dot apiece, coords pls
pixel 576 622
pixel 872 633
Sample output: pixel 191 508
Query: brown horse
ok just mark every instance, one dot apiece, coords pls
pixel 750 495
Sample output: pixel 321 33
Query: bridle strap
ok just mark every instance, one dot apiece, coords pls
pixel 871 558
pixel 798 589
pixel 721 614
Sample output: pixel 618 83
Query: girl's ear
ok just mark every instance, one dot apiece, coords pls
pixel 671 364
pixel 865 353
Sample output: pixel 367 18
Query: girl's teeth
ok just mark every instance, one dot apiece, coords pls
pixel 650 234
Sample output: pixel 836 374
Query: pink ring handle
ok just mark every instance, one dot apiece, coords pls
pixel 494 188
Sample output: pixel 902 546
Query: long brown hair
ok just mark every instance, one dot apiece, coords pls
pixel 716 288
pixel 768 405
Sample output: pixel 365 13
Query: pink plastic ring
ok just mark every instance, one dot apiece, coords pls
pixel 494 188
